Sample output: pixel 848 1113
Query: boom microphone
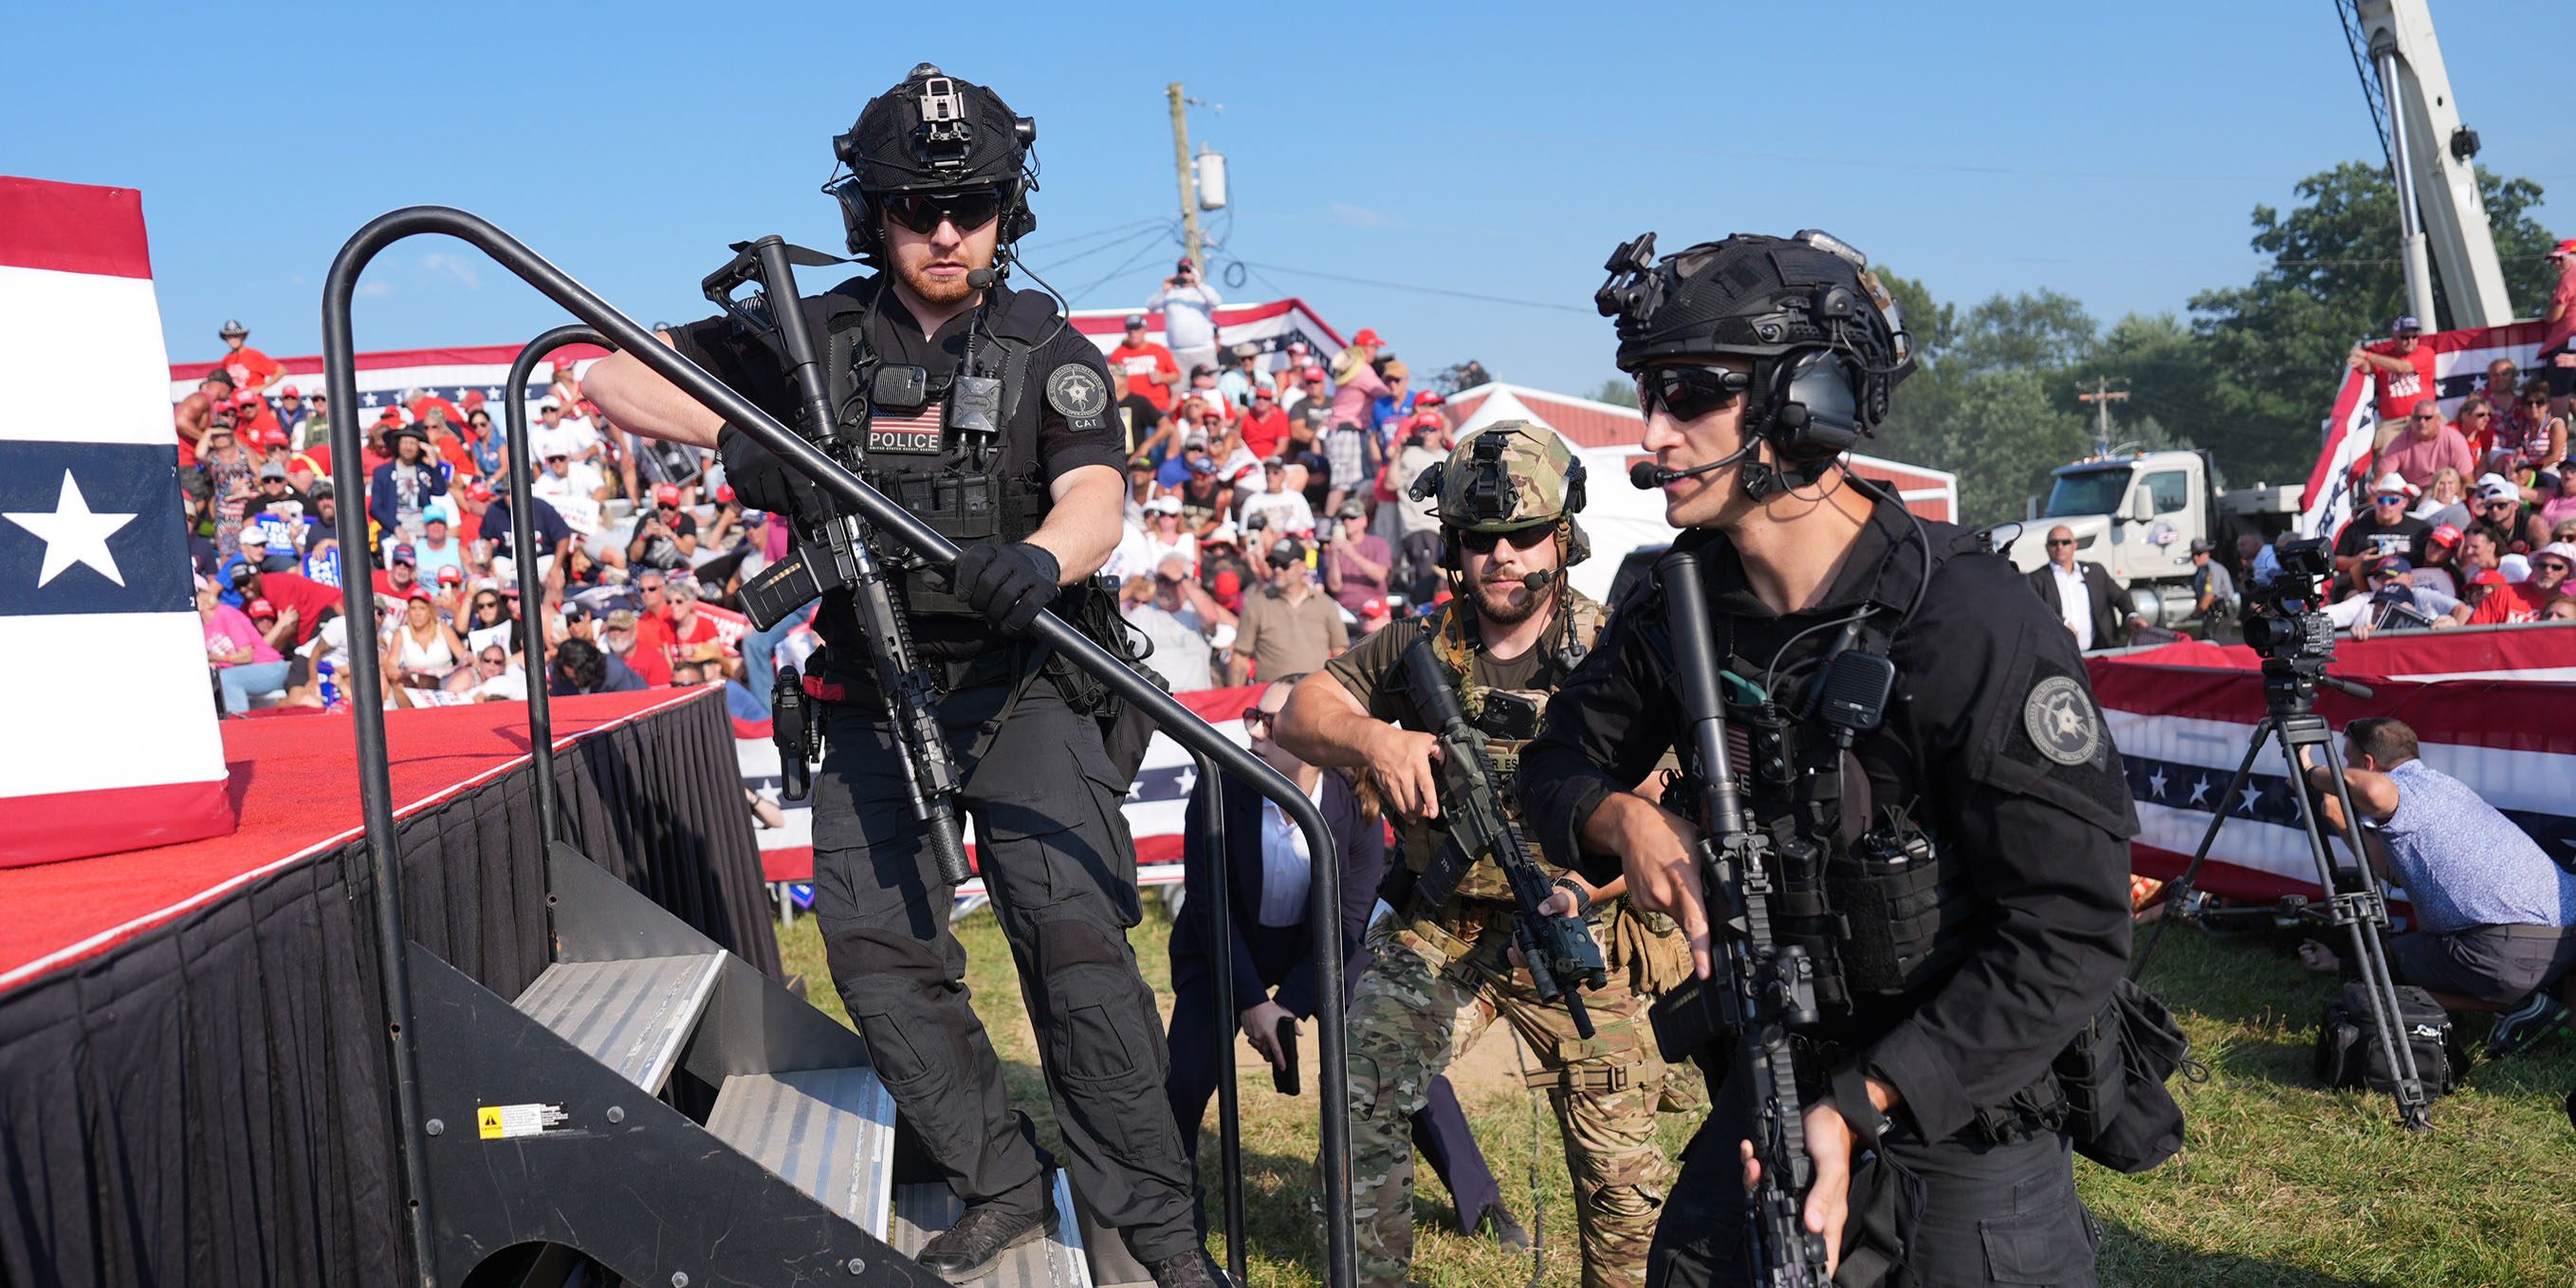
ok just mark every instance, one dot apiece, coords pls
pixel 982 278
pixel 1540 580
pixel 1646 476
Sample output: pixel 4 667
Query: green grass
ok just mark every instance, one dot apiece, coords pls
pixel 2281 1184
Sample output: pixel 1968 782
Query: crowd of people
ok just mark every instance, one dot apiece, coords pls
pixel 640 549
pixel 1267 528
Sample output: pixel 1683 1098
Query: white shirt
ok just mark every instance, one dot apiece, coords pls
pixel 1182 653
pixel 1134 556
pixel 574 495
pixel 1189 315
pixel 1288 511
pixel 1286 869
pixel 573 438
pixel 2074 604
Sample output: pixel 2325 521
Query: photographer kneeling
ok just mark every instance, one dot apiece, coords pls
pixel 2493 913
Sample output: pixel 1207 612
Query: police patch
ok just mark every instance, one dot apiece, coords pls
pixel 2060 721
pixel 1077 392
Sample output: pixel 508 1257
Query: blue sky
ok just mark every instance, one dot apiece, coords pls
pixel 2112 152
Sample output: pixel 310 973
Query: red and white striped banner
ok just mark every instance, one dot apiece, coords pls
pixel 2183 715
pixel 2460 361
pixel 1157 807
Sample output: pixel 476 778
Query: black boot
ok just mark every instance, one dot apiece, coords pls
pixel 968 1250
pixel 1496 1222
pixel 1190 1269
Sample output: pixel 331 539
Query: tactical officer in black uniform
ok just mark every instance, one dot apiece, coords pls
pixel 1966 905
pixel 936 196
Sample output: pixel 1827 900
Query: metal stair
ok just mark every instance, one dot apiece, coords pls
pixel 548 1122
pixel 1056 1261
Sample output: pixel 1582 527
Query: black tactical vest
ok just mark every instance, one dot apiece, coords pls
pixel 965 485
pixel 1881 906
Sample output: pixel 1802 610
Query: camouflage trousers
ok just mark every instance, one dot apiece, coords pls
pixel 1422 1003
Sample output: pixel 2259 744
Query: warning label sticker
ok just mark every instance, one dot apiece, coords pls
pixel 505 1122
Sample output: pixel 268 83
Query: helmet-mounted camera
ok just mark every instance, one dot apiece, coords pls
pixel 932 133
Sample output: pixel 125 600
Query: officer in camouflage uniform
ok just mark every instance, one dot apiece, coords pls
pixel 1442 969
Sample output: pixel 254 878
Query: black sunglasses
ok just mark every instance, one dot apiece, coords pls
pixel 923 212
pixel 1689 392
pixel 1256 716
pixel 1483 543
pixel 2061 541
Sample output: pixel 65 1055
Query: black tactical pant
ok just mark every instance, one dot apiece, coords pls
pixel 1055 853
pixel 1973 1214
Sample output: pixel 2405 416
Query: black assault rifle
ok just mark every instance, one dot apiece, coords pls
pixel 1558 948
pixel 1758 988
pixel 833 552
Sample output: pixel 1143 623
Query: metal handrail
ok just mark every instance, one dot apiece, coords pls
pixel 339 290
pixel 1229 1120
pixel 524 562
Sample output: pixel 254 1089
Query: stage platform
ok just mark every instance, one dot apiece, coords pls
pixel 193 1082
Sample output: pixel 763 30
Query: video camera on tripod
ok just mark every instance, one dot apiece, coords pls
pixel 2290 631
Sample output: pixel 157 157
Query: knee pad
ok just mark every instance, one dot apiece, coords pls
pixel 1094 1011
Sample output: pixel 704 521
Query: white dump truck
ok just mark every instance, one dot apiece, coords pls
pixel 2137 515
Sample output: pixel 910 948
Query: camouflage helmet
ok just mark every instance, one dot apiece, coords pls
pixel 1511 474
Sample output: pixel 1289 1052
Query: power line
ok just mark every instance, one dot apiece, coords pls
pixel 1114 244
pixel 1112 275
pixel 1417 289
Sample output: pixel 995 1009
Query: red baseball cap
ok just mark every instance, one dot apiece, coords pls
pixel 2567 247
pixel 667 494
pixel 1228 584
pixel 450 575
pixel 393 414
pixel 262 608
pixel 419 593
pixel 2446 535
pixel 1314 373
pixel 1428 398
pixel 473 398
pixel 478 492
pixel 1367 336
pixel 724 493
pixel 1373 607
pixel 273 438
pixel 290 391
pixel 247 398
pixel 1263 393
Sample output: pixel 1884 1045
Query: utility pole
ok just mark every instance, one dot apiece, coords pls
pixel 2102 397
pixel 1189 183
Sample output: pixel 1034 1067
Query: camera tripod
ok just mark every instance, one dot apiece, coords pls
pixel 2290 721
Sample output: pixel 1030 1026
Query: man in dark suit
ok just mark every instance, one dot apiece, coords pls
pixel 1274 948
pixel 2095 608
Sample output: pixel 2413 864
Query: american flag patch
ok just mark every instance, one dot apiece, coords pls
pixel 915 433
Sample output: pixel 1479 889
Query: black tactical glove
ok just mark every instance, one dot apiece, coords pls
pixel 1009 582
pixel 764 482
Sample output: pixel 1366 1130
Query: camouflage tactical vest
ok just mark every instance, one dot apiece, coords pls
pixel 1454 646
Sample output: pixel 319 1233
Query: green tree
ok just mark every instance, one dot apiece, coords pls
pixel 2276 345
pixel 1618 391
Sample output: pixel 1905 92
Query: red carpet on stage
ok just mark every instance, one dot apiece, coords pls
pixel 294 783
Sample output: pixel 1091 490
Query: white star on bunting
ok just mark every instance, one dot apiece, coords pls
pixel 72 534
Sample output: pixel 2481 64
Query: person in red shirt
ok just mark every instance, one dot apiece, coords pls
pixel 655 640
pixel 251 370
pixel 2401 372
pixel 1265 426
pixel 252 420
pixel 299 599
pixel 2490 600
pixel 443 440
pixel 2558 338
pixel 1149 367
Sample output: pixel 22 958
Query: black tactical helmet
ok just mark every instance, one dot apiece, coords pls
pixel 932 133
pixel 1826 343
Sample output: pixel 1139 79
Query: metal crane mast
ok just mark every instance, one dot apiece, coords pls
pixel 2444 220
